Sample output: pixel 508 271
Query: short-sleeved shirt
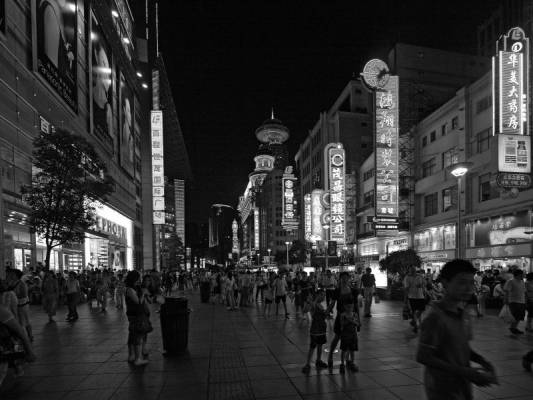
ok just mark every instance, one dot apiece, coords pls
pixel 415 286
pixel 368 280
pixel 516 291
pixel 343 298
pixel 447 333
pixel 280 286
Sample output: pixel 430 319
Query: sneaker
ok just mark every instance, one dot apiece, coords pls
pixel 342 369
pixel 306 369
pixel 320 364
pixel 139 363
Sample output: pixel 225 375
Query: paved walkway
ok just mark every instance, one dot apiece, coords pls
pixel 243 355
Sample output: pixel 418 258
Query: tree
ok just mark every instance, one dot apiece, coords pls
pixel 65 191
pixel 400 261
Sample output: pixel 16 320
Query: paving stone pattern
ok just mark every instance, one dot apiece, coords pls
pixel 235 355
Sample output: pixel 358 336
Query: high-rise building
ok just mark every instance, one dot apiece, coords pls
pixel 221 217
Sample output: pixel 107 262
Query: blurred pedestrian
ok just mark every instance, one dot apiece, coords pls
pixel 368 284
pixel 317 332
pixel 21 291
pixel 515 298
pixel 139 321
pixel 444 347
pixel 72 289
pixel 50 294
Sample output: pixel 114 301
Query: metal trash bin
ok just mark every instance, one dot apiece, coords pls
pixel 174 315
pixel 205 291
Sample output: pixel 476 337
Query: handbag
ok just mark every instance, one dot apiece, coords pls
pixel 505 314
pixel 141 324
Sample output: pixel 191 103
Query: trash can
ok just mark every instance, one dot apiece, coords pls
pixel 174 316
pixel 205 291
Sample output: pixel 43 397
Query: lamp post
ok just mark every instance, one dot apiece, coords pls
pixel 326 227
pixel 459 170
pixel 269 262
pixel 287 244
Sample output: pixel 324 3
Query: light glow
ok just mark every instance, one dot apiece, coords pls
pixel 459 171
pixel 114 13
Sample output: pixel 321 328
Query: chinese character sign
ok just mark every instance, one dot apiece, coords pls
pixel 256 228
pixel 317 232
pixel 307 217
pixel 289 219
pixel 235 239
pixel 158 173
pixel 510 83
pixel 386 149
pixel 337 182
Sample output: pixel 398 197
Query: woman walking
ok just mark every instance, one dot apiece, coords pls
pixel 139 319
pixel 21 291
pixel 50 294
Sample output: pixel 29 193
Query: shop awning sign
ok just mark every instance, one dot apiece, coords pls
pixel 510 180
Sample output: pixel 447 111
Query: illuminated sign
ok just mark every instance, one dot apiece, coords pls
pixel 386 149
pixel 337 197
pixel 289 220
pixel 317 208
pixel 510 86
pixel 235 240
pixel 158 172
pixel 256 228
pixel 307 217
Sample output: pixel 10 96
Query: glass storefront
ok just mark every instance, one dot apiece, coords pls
pixel 440 237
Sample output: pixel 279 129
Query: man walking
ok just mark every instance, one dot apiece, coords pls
pixel 413 284
pixel 368 284
pixel 515 298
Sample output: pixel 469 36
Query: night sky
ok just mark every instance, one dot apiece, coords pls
pixel 229 62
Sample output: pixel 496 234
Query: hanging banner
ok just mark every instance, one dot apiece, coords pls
pixel 126 112
pixel 102 84
pixel 386 149
pixel 337 190
pixel 57 51
pixel 307 217
pixel 256 229
pixel 317 209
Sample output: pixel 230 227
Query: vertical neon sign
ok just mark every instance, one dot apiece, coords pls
pixel 337 172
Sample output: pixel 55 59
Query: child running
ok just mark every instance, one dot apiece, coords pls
pixel 317 332
pixel 445 332
pixel 349 325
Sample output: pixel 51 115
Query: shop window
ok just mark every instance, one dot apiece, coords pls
pixel 429 167
pixel 431 204
pixel 483 140
pixel 449 199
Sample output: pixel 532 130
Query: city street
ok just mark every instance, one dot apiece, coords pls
pixel 243 355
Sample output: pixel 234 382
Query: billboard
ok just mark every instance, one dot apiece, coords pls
pixel 289 219
pixel 386 149
pixel 337 190
pixel 256 229
pixel 500 230
pixel 56 45
pixel 102 84
pixel 514 153
pixel 307 217
pixel 127 115
pixel 158 172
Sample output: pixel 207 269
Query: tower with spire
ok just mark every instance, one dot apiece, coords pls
pixel 272 135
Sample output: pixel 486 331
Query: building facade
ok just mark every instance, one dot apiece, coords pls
pixel 91 89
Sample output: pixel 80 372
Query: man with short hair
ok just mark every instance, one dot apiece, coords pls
pixel 414 290
pixel 368 284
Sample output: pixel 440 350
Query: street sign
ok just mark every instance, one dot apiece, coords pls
pixel 513 180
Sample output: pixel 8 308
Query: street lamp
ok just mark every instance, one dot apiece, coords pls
pixel 269 256
pixel 326 227
pixel 459 170
pixel 287 244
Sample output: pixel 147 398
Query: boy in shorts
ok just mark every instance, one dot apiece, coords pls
pixel 317 332
pixel 445 332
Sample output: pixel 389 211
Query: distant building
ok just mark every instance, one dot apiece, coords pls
pixel 221 217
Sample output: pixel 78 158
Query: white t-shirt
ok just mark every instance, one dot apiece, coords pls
pixel 516 291
pixel 414 284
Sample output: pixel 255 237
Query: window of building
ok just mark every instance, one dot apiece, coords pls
pixel 483 104
pixel 424 141
pixel 429 167
pixel 368 174
pixel 431 204
pixel 449 199
pixel 368 197
pixel 455 122
pixel 443 129
pixel 486 191
pixel 483 140
pixel 449 157
pixel 433 136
